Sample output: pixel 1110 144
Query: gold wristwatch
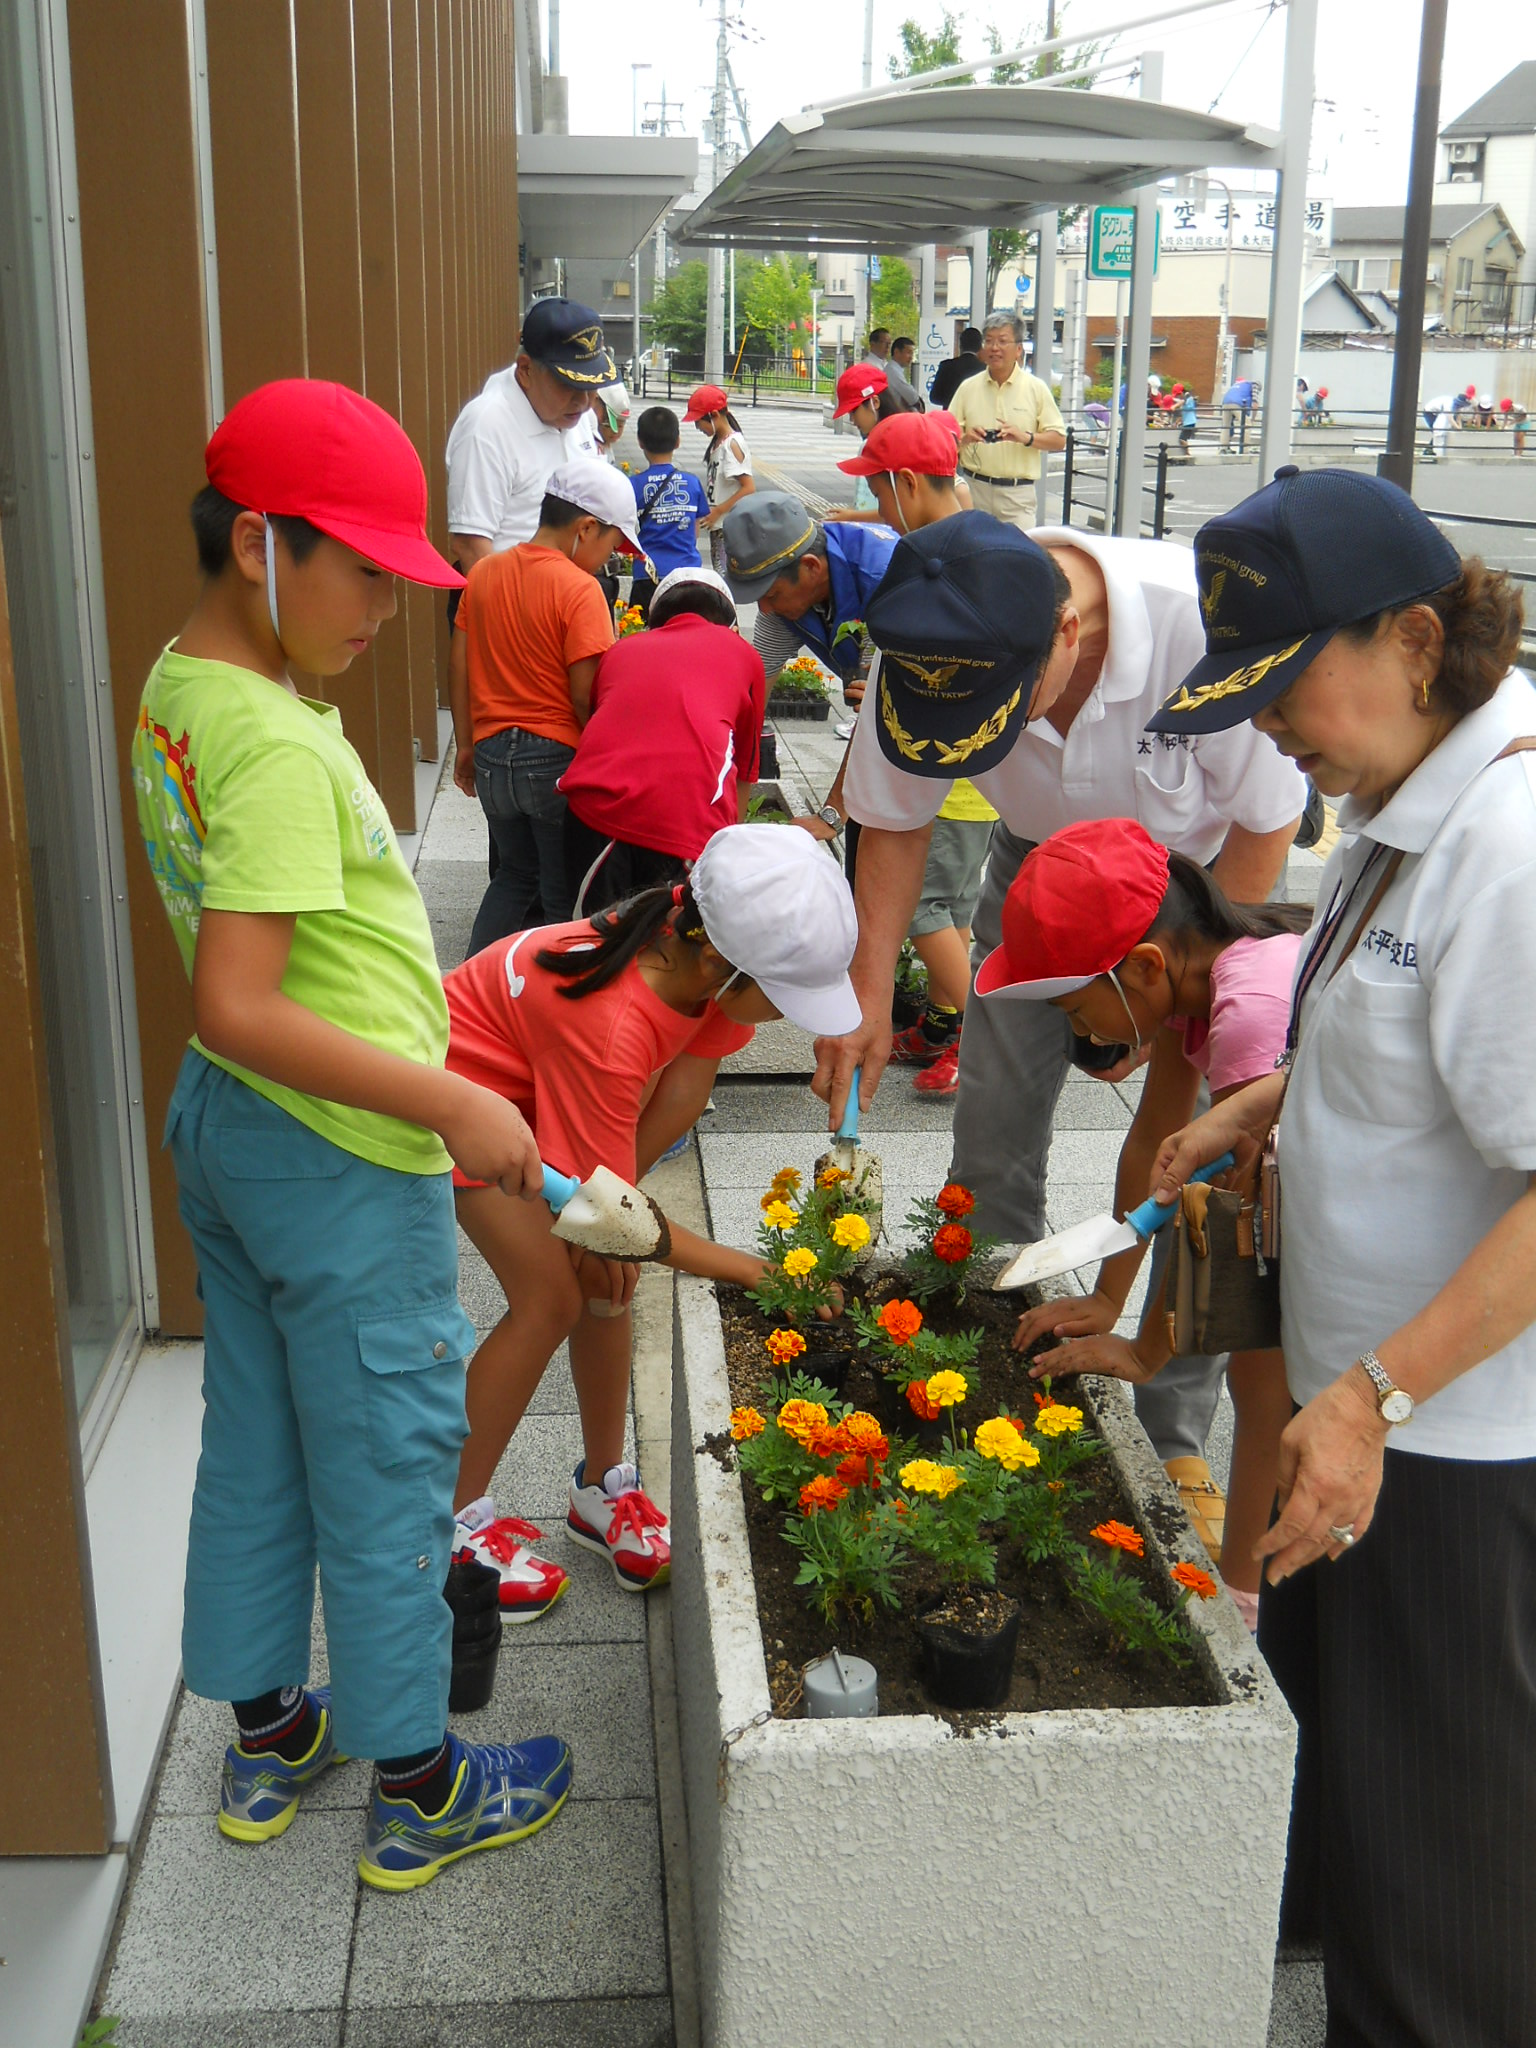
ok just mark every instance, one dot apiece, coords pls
pixel 1396 1406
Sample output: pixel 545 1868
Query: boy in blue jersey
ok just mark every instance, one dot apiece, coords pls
pixel 669 504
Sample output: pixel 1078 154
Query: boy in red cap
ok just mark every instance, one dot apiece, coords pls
pixel 313 1127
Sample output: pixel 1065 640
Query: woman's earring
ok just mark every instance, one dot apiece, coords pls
pixel 1424 686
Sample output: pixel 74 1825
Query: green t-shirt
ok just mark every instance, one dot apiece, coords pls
pixel 251 799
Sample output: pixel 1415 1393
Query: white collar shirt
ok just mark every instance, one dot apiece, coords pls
pixel 500 457
pixel 1409 1122
pixel 1187 792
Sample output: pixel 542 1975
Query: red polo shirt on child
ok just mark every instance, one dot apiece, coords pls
pixel 676 718
pixel 580 1070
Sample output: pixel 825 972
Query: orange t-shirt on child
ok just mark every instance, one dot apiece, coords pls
pixel 529 615
pixel 580 1069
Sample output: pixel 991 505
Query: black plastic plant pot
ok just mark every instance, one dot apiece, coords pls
pixel 965 1668
pixel 906 1010
pixel 473 1594
pixel 799 704
pixel 474 1673
pixel 830 1366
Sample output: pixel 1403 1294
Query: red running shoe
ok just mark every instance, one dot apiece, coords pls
pixel 943 1077
pixel 914 1048
pixel 530 1585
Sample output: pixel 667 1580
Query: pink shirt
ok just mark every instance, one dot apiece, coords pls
pixel 1250 1009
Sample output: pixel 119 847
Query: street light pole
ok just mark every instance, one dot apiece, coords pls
pixel 634 96
pixel 1396 463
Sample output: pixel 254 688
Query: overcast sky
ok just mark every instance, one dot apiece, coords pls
pixel 786 55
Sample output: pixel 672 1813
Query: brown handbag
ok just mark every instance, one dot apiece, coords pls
pixel 1219 1293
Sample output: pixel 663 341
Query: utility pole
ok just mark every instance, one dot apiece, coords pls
pixel 1396 463
pixel 714 322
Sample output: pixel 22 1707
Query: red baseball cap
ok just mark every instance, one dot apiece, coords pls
pixel 707 398
pixel 857 383
pixel 307 449
pixel 922 441
pixel 1078 904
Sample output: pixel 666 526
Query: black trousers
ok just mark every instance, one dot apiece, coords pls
pixel 612 869
pixel 1410 1665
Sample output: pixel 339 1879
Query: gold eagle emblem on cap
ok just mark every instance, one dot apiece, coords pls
pixel 1241 679
pixel 936 676
pixel 1209 602
pixel 587 340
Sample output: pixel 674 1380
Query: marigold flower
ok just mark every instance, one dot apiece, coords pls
pixel 778 1215
pixel 827 1440
pixel 786 1180
pixel 1000 1439
pixel 1119 1537
pixel 918 1401
pixel 1055 1420
pixel 859 1468
pixel 746 1422
pixel 924 1476
pixel 952 1243
pixel 1194 1580
pixel 865 1433
pixel 800 1261
pixel 799 1418
pixel 832 1176
pixel 955 1201
pixel 784 1346
pixel 947 1388
pixel 900 1320
pixel 821 1492
pixel 851 1232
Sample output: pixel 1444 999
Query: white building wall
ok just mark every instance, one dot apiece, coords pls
pixel 1509 179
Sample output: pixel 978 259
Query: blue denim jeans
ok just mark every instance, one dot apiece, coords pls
pixel 334 1354
pixel 515 777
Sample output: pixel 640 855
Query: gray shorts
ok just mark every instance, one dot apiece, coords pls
pixel 952 879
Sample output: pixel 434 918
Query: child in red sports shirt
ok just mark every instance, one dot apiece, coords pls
pixel 606 1034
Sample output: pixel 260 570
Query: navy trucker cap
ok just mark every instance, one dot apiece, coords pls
pixel 1280 573
pixel 567 338
pixel 964 618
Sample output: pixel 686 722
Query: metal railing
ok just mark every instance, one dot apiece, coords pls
pixel 1080 463
pixel 753 382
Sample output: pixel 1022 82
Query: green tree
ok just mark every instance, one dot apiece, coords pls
pixel 923 52
pixel 775 295
pixel 893 297
pixel 679 310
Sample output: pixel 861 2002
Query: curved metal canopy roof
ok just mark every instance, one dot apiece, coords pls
pixel 933 164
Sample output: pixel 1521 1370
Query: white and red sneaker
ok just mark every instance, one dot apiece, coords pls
pixel 621 1523
pixel 530 1585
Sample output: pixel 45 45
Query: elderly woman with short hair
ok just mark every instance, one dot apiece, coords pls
pixel 1400 1613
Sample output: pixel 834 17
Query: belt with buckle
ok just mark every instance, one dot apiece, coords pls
pixel 1003 483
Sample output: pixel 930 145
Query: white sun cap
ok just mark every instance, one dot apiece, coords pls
pixel 777 906
pixel 676 578
pixel 599 488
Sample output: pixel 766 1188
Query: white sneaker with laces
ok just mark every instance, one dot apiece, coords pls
pixel 530 1585
pixel 621 1523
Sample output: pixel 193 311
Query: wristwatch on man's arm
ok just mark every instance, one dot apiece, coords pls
pixel 1396 1407
pixel 831 816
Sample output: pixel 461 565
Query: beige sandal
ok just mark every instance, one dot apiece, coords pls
pixel 1203 1501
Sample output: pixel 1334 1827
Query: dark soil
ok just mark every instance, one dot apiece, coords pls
pixel 1066 1658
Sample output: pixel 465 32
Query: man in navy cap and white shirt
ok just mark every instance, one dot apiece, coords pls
pixel 1031 667
pixel 512 435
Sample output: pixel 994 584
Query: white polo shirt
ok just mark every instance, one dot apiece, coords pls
pixel 500 456
pixel 1185 791
pixel 1409 1125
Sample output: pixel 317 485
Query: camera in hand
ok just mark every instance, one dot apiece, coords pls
pixel 993 434
pixel 1094 1058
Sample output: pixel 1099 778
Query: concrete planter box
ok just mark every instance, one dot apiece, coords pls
pixel 1064 1880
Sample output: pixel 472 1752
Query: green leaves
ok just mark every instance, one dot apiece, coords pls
pixel 1127 1609
pixel 850 1557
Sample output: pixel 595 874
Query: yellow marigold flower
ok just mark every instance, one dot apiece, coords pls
pixel 778 1215
pixel 799 1418
pixel 746 1422
pixel 784 1346
pixel 832 1176
pixel 800 1261
pixel 924 1476
pixel 1055 1420
pixel 947 1389
pixel 1000 1439
pixel 851 1232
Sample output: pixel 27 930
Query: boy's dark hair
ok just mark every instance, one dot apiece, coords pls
pixel 561 512
pixel 702 600
pixel 970 340
pixel 623 932
pixel 213 524
pixel 1198 905
pixel 657 430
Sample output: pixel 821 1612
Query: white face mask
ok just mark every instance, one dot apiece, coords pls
pixel 272 578
pixel 1136 1038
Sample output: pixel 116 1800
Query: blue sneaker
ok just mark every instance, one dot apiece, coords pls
pixel 259 1795
pixel 500 1794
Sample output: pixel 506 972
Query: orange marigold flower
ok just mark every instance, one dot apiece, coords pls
pixel 859 1468
pixel 1194 1580
pixel 918 1401
pixel 900 1320
pixel 799 1418
pixel 821 1492
pixel 827 1440
pixel 865 1434
pixel 832 1176
pixel 1119 1537
pixel 956 1201
pixel 786 1180
pixel 746 1422
pixel 952 1243
pixel 783 1346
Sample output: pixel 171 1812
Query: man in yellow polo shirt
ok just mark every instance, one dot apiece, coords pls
pixel 1008 419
